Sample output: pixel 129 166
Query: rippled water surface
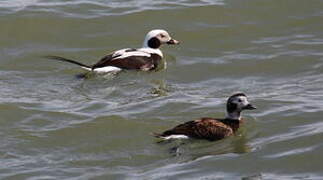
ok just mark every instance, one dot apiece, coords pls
pixel 56 126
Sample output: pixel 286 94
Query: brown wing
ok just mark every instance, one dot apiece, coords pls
pixel 131 62
pixel 104 61
pixel 205 128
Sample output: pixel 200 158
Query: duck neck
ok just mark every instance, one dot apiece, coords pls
pixel 150 50
pixel 233 120
pixel 145 44
pixel 234 115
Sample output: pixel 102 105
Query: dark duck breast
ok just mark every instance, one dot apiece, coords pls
pixel 210 128
pixel 145 59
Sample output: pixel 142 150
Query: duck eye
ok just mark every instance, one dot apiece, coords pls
pixel 162 35
pixel 239 100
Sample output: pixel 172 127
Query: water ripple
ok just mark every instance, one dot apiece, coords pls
pixel 293 133
pixel 100 7
pixel 291 152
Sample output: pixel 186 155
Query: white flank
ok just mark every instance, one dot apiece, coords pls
pixel 180 136
pixel 86 68
pixel 107 69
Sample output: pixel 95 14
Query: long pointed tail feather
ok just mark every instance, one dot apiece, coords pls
pixel 157 135
pixel 58 58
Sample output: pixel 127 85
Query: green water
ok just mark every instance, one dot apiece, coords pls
pixel 55 126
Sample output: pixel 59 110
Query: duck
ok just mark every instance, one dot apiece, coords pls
pixel 212 129
pixel 146 58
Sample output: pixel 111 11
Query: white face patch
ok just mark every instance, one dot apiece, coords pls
pixel 236 104
pixel 241 101
pixel 162 35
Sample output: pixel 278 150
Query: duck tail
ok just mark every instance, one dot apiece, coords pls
pixel 157 135
pixel 58 58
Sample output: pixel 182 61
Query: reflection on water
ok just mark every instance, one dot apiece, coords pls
pixel 160 89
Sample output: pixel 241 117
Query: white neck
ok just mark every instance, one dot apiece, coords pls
pixel 145 44
pixel 149 50
pixel 234 115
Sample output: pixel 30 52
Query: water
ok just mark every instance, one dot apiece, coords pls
pixel 55 126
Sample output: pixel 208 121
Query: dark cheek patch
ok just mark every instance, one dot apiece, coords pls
pixel 154 43
pixel 231 107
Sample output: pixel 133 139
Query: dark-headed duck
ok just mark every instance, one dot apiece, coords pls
pixel 211 128
pixel 146 58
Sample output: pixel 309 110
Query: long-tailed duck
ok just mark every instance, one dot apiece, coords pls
pixel 146 58
pixel 210 128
